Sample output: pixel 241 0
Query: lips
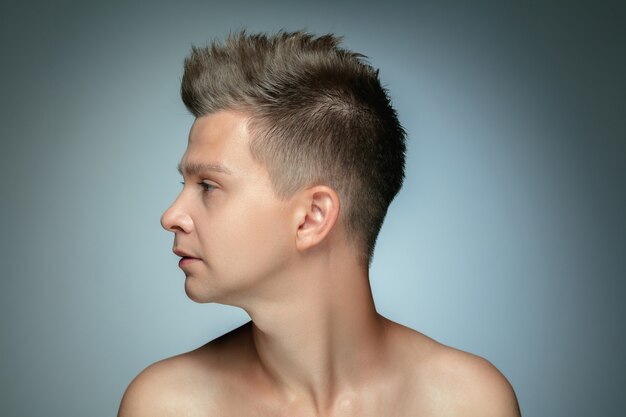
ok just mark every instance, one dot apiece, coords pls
pixel 186 259
pixel 184 254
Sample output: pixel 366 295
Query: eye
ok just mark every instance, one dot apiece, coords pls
pixel 206 186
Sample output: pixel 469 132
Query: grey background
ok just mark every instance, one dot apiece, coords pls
pixel 508 239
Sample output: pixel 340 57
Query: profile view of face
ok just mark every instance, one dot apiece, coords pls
pixel 230 229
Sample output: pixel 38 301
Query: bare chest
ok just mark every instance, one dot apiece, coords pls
pixel 373 404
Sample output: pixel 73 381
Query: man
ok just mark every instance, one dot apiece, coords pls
pixel 291 163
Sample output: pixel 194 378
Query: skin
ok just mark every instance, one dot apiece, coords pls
pixel 315 345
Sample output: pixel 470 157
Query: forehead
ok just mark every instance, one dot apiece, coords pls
pixel 220 140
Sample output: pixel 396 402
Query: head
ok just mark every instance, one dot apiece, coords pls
pixel 318 115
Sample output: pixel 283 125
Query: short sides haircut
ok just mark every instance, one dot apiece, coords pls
pixel 318 115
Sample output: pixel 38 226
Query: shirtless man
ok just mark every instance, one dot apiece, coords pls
pixel 293 158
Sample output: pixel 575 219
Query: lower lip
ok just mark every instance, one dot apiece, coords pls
pixel 187 261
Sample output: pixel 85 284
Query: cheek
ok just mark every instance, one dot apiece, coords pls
pixel 262 235
pixel 247 238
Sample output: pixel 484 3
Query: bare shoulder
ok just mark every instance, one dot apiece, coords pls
pixel 190 384
pixel 164 388
pixel 456 383
pixel 470 385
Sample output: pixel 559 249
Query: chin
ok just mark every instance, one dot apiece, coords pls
pixel 198 295
pixel 200 291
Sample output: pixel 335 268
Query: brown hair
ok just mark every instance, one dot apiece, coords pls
pixel 319 115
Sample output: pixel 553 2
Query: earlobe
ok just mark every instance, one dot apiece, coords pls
pixel 319 214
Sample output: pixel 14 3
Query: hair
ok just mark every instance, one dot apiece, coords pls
pixel 318 115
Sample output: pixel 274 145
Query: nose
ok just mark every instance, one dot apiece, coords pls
pixel 176 219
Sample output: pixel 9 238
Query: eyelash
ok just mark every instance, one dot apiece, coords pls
pixel 206 187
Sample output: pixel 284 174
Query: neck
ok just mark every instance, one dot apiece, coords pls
pixel 323 335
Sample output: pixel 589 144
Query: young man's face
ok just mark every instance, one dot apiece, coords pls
pixel 231 230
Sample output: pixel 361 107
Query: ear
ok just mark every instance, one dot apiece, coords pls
pixel 318 212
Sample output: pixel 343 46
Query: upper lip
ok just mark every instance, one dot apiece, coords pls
pixel 182 253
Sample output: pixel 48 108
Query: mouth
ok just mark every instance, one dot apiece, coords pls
pixel 185 258
pixel 183 254
pixel 185 261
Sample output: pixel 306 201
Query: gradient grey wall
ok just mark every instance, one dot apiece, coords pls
pixel 508 239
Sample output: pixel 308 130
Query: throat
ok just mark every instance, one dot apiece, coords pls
pixel 320 345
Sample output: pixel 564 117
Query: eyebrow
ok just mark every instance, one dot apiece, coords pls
pixel 196 168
